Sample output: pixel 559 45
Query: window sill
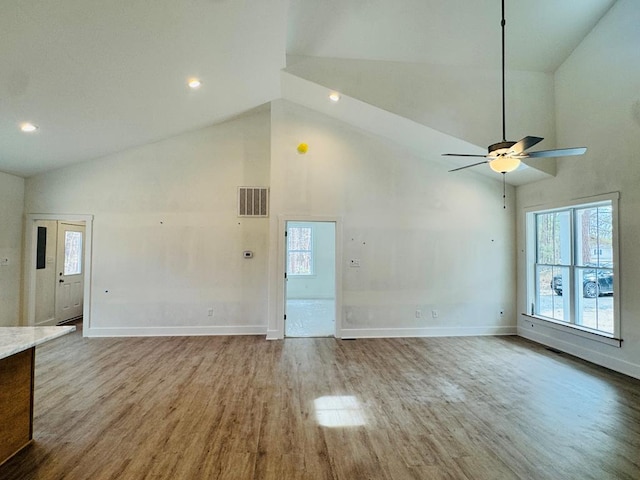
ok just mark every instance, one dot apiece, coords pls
pixel 575 330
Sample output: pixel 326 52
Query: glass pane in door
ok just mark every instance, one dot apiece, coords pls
pixel 72 253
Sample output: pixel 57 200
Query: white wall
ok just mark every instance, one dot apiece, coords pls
pixel 426 239
pixel 167 242
pixel 11 210
pixel 598 106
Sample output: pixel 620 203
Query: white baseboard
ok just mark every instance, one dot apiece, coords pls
pixel 425 332
pixel 175 331
pixel 621 366
pixel 273 335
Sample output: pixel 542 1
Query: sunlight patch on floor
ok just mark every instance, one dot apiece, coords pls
pixel 339 411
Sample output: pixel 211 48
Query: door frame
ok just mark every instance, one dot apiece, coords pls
pixel 281 269
pixel 31 235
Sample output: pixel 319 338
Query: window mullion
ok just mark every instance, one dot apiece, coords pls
pixel 572 269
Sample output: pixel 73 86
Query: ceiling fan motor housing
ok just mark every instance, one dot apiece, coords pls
pixel 500 146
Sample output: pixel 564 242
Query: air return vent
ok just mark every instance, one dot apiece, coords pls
pixel 253 201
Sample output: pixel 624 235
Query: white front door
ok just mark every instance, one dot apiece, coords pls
pixel 70 271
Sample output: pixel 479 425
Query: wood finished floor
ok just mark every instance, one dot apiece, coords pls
pixel 243 408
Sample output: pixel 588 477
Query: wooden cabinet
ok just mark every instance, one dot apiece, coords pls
pixel 17 365
pixel 16 402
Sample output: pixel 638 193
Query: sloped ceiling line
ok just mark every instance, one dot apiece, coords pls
pixel 101 77
pixel 422 139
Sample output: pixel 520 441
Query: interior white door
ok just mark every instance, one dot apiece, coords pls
pixel 70 269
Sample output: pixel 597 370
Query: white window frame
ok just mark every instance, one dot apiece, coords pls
pixel 531 253
pixel 312 272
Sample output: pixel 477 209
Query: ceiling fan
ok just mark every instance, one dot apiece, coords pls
pixel 505 156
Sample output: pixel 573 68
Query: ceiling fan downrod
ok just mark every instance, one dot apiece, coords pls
pixel 504 115
pixel 506 156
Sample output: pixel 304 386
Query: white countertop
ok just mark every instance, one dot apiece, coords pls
pixel 17 339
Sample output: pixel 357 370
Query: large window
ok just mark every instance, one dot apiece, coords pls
pixel 571 252
pixel 299 250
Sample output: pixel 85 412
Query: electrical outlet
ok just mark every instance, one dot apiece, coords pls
pixel 4 261
pixel 418 313
pixel 210 312
pixel 434 313
pixel 355 262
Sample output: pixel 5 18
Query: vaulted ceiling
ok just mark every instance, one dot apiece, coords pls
pixel 100 77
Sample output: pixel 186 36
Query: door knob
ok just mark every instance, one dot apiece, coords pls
pixel 61 281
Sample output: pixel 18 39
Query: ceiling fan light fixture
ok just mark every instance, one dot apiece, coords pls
pixel 504 164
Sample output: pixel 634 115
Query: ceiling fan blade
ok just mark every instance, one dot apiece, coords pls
pixel 560 152
pixel 468 166
pixel 462 155
pixel 524 144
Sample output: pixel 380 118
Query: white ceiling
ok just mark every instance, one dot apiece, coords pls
pixel 98 77
pixel 102 76
pixel 541 33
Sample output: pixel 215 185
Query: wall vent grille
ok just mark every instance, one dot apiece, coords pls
pixel 253 201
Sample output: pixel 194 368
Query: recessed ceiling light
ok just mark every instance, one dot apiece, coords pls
pixel 194 83
pixel 28 127
pixel 334 96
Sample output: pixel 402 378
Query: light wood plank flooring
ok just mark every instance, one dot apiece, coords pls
pixel 245 408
